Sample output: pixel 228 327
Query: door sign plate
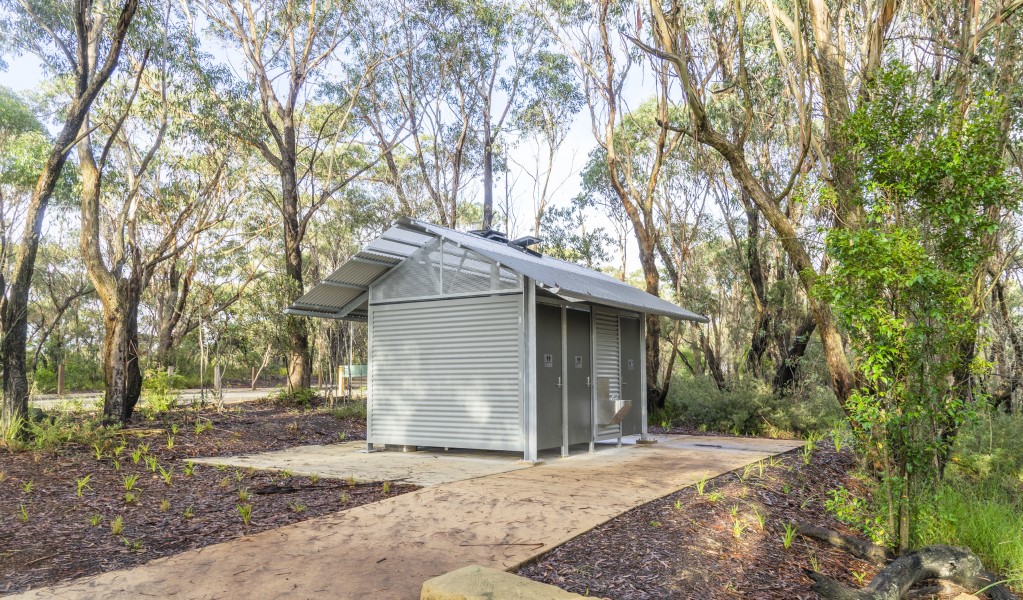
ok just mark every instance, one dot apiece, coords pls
pixel 548 360
pixel 578 361
pixel 632 364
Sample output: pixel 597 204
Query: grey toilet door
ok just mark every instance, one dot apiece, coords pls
pixel 548 376
pixel 631 373
pixel 580 408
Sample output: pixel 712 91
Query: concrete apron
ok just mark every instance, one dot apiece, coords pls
pixel 389 548
pixel 340 461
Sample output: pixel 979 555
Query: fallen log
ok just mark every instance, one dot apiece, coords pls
pixel 948 563
pixel 861 549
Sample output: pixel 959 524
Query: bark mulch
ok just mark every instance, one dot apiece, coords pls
pixel 50 534
pixel 687 545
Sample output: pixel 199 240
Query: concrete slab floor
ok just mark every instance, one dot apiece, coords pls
pixel 435 466
pixel 349 459
pixel 389 548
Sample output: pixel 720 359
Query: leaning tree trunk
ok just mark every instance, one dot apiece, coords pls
pixel 15 306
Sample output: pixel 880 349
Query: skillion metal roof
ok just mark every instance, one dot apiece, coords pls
pixel 343 294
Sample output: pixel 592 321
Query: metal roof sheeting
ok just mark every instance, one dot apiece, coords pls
pixel 565 279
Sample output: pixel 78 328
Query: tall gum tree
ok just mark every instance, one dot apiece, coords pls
pixel 604 66
pixel 142 204
pixel 82 41
pixel 819 48
pixel 292 52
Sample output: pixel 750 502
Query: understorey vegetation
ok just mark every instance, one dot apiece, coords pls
pixel 80 498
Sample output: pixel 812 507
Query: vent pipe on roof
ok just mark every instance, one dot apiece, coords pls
pixel 491 234
pixel 522 243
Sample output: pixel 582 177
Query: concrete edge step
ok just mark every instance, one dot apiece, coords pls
pixel 483 583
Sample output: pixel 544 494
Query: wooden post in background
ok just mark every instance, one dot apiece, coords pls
pixel 340 381
pixel 60 379
pixel 216 381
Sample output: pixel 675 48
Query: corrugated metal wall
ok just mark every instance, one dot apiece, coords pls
pixel 607 359
pixel 447 373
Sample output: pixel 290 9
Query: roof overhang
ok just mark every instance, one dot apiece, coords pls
pixel 344 293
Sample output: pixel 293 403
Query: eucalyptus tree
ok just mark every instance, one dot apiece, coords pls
pixel 303 71
pixel 626 165
pixel 725 57
pixel 427 90
pixel 79 42
pixel 501 41
pixel 149 188
pixel 552 101
pixel 204 280
pixel 61 288
pixel 676 48
pixel 25 145
pixel 566 235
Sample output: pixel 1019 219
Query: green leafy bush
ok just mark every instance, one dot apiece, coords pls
pixel 159 390
pixel 856 512
pixel 298 398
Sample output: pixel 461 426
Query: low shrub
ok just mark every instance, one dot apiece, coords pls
pixel 51 431
pixel 979 501
pixel 749 407
pixel 350 410
pixel 160 390
pixel 298 398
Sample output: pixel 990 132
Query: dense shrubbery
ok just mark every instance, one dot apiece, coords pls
pixel 750 408
pixel 978 503
pixel 82 373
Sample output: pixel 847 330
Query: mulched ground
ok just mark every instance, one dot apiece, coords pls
pixel 49 534
pixel 687 545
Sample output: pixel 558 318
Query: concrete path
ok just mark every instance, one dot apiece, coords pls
pixel 389 548
pixel 340 461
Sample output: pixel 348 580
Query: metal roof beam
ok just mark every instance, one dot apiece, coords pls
pixel 373 261
pixel 402 242
pixel 355 303
pixel 350 286
pixel 307 313
pixel 312 305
